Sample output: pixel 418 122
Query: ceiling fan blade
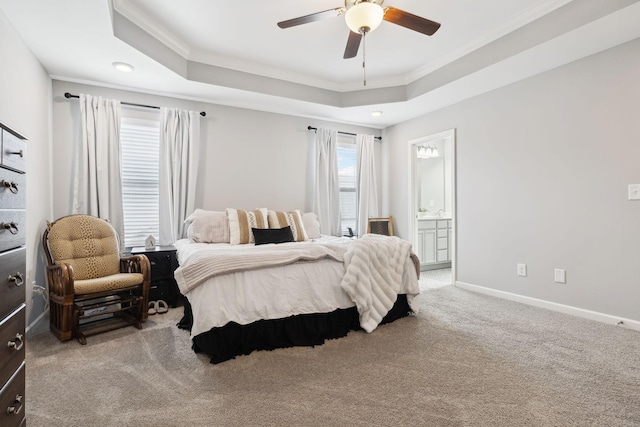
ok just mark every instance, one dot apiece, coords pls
pixel 353 43
pixel 410 21
pixel 311 18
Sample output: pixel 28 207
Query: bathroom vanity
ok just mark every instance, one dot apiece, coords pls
pixel 434 243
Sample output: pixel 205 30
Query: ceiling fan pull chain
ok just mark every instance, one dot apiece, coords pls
pixel 364 57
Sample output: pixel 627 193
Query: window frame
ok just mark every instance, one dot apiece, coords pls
pixel 149 120
pixel 348 142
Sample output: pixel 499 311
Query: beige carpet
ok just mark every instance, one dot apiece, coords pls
pixel 465 360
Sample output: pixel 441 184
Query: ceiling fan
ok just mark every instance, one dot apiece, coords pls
pixel 364 16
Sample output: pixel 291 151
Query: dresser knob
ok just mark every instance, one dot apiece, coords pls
pixel 12 186
pixel 18 343
pixel 19 153
pixel 10 227
pixel 18 279
pixel 16 406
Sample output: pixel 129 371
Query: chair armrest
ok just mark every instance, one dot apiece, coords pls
pixel 136 264
pixel 60 279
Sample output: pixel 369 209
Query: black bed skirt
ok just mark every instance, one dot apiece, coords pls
pixel 232 339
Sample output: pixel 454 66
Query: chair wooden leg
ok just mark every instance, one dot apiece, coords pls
pixel 81 338
pixel 76 326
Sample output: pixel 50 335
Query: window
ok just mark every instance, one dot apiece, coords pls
pixel 347 179
pixel 140 153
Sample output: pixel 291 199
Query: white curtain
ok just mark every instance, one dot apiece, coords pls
pixel 97 188
pixel 179 156
pixel 366 187
pixel 327 188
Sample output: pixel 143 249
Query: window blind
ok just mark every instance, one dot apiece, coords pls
pixel 347 181
pixel 140 171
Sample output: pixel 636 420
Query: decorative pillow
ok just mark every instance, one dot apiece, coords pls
pixel 241 222
pixel 208 227
pixel 293 219
pixel 311 225
pixel 272 235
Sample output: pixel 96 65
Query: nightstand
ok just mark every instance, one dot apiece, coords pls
pixel 164 261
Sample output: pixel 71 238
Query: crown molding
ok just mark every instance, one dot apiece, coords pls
pixel 129 11
pixel 529 15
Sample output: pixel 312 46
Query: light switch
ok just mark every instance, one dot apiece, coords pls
pixel 634 191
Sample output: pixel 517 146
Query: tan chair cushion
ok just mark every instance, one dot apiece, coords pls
pixel 88 244
pixel 108 283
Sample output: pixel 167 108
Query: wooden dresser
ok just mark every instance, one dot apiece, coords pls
pixel 12 277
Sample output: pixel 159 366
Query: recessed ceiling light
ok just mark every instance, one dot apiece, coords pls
pixel 376 113
pixel 124 67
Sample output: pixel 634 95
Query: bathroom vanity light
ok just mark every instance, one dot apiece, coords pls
pixel 427 152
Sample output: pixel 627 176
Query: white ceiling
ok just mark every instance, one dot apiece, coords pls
pixel 232 53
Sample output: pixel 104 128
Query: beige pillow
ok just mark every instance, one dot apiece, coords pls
pixel 293 219
pixel 208 227
pixel 311 225
pixel 241 222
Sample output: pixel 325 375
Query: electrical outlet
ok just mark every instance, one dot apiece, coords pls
pixel 634 192
pixel 560 275
pixel 522 270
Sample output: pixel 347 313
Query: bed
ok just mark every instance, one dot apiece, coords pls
pixel 241 298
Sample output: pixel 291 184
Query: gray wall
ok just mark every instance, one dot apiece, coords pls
pixel 542 172
pixel 25 106
pixel 250 158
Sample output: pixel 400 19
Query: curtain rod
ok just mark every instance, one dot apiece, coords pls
pixel 68 95
pixel 379 138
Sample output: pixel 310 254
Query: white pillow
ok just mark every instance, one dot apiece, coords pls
pixel 292 219
pixel 241 222
pixel 311 225
pixel 208 227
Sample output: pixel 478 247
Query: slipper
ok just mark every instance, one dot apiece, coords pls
pixel 152 308
pixel 162 307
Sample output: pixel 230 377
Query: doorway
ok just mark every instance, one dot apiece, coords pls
pixel 432 207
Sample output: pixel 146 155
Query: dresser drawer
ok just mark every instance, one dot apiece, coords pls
pixel 14 151
pixel 11 343
pixel 12 293
pixel 12 400
pixel 12 189
pixel 12 229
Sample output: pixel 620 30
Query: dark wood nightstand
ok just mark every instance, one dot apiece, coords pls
pixel 164 261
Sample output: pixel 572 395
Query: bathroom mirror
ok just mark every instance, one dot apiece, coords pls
pixel 430 186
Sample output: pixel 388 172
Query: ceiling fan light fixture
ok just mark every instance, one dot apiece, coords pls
pixel 364 17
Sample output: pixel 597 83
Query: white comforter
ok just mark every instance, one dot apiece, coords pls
pixel 273 292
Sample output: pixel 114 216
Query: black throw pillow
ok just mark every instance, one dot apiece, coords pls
pixel 262 236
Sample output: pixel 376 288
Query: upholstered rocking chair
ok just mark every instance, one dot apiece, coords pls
pixel 92 289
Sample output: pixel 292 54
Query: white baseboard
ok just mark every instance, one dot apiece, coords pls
pixel 567 309
pixel 35 322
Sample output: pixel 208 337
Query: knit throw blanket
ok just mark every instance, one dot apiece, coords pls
pixel 374 266
pixel 203 265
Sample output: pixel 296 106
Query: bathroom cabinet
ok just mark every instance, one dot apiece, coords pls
pixel 434 243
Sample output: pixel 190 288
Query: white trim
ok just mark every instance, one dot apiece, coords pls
pixel 33 324
pixel 525 17
pixel 554 306
pixel 151 27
